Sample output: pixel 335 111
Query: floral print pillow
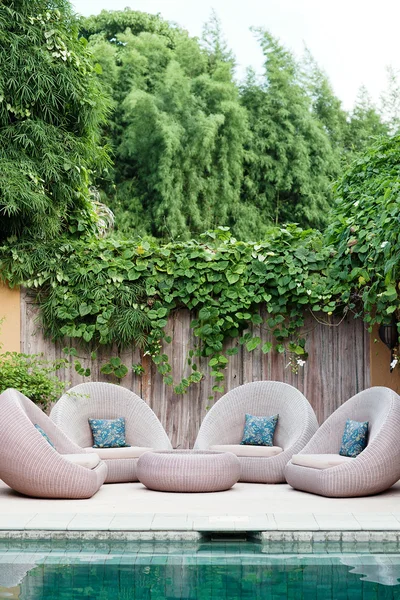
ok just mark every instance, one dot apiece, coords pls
pixel 46 437
pixel 354 438
pixel 108 433
pixel 259 431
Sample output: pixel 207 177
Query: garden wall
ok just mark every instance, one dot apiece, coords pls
pixel 338 367
pixel 10 321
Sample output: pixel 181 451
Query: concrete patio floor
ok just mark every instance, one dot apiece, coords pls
pixel 246 507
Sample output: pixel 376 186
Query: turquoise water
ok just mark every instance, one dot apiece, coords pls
pixel 155 571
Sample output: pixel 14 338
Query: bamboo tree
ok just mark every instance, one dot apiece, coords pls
pixel 51 107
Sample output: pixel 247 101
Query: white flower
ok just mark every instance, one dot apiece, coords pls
pixel 301 362
pixel 384 244
pixel 393 363
pixel 356 203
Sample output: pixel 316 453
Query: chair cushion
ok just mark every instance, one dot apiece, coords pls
pixel 354 439
pixel 247 450
pixel 320 461
pixel 108 433
pixel 126 452
pixel 90 461
pixel 44 434
pixel 259 431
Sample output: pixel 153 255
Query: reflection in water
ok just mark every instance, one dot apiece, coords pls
pixel 220 571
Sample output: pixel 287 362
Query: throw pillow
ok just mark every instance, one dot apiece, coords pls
pixel 108 433
pixel 354 438
pixel 46 437
pixel 259 431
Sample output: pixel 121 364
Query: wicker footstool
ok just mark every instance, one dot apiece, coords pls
pixel 188 470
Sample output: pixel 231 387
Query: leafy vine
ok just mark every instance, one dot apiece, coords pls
pixel 105 291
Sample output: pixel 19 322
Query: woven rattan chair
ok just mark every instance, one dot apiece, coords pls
pixel 30 465
pixel 374 470
pixel 222 428
pixel 143 430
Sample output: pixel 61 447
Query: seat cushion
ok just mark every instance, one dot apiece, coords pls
pixel 126 452
pixel 242 450
pixel 90 461
pixel 320 461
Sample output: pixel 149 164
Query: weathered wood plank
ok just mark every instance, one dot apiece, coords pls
pixel 337 368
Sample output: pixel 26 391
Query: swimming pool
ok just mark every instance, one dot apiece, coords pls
pixel 191 571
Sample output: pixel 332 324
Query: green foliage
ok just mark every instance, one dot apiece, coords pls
pixel 291 159
pixel 115 367
pixel 177 129
pixel 51 107
pixel 390 100
pixel 365 124
pixel 110 23
pixel 32 375
pixel 116 291
pixel 365 233
pixel 193 150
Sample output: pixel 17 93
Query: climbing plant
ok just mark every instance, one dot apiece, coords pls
pixel 104 291
pixel 365 233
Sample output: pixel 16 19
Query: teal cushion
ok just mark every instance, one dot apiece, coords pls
pixel 108 433
pixel 44 434
pixel 259 431
pixel 354 438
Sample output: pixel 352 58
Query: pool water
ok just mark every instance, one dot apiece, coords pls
pixel 203 571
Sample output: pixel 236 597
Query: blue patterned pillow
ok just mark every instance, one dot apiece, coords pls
pixel 108 433
pixel 354 438
pixel 46 437
pixel 259 431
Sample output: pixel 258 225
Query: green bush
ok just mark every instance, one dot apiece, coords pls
pixel 32 375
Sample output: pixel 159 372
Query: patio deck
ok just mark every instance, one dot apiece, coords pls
pixel 131 507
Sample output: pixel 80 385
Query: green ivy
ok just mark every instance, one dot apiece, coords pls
pixel 365 234
pixel 105 291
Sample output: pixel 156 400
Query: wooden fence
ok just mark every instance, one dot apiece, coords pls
pixel 338 367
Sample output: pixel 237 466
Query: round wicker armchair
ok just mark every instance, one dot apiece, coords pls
pixel 143 430
pixel 374 470
pixel 224 425
pixel 30 465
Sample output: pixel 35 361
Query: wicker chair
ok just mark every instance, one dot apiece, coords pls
pixel 374 470
pixel 143 431
pixel 222 428
pixel 30 465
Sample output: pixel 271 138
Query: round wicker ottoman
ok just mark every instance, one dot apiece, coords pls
pixel 188 470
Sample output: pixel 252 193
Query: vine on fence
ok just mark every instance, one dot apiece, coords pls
pixel 116 291
pixel 105 291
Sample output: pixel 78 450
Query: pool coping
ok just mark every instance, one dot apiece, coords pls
pixel 303 537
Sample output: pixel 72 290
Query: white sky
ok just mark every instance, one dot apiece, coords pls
pixel 352 40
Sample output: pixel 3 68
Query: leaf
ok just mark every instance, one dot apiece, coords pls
pixel 204 313
pixel 253 343
pixel 232 351
pixel 232 277
pixel 267 347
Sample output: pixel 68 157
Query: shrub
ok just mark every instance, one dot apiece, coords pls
pixel 32 375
